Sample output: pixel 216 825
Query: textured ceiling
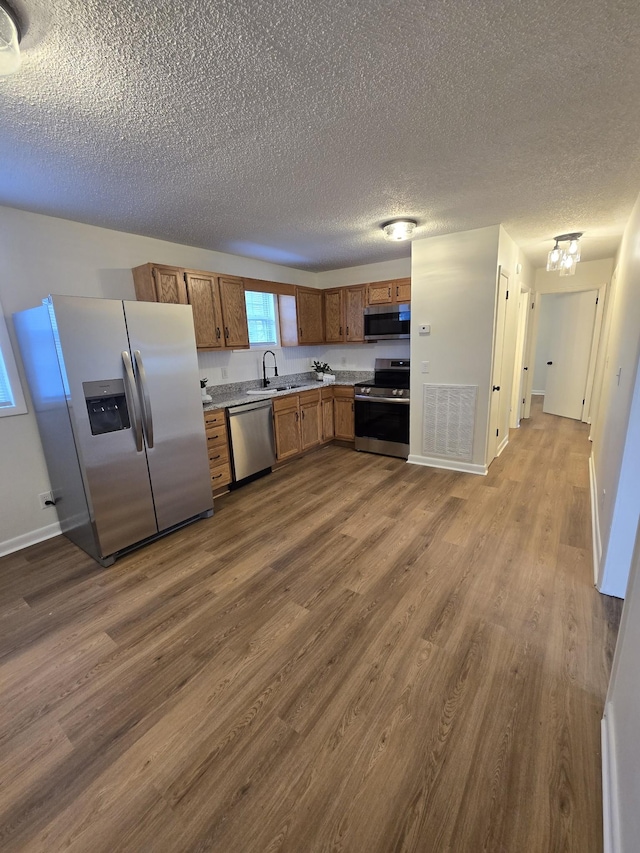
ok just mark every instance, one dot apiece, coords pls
pixel 290 130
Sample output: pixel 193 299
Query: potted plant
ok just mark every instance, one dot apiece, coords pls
pixel 321 367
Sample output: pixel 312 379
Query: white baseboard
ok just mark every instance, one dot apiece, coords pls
pixel 502 445
pixel 595 521
pixel 448 464
pixel 610 825
pixel 31 538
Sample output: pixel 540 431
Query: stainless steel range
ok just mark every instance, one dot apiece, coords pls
pixel 382 410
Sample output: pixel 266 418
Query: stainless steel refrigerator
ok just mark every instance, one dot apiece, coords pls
pixel 116 393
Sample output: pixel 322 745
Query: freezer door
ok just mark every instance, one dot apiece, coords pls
pixel 90 337
pixel 163 347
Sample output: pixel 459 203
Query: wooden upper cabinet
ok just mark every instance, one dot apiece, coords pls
pixel 389 292
pixel 380 293
pixel 354 303
pixel 403 290
pixel 155 283
pixel 204 298
pixel 309 307
pixel 334 315
pixel 234 312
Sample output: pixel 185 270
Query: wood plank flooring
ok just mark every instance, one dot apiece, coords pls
pixel 354 654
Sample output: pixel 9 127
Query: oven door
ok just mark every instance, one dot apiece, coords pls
pixel 382 426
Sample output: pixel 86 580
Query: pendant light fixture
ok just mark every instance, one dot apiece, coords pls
pixel 10 37
pixel 565 259
pixel 399 229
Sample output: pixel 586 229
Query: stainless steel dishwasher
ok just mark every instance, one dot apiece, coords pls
pixel 252 442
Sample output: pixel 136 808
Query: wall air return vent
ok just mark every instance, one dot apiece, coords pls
pixel 449 421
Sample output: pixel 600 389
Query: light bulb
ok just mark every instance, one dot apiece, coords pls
pixel 553 259
pixel 568 266
pixel 9 43
pixel 574 249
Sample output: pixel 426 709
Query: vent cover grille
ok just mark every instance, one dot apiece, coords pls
pixel 449 421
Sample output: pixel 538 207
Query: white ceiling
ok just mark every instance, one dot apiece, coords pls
pixel 288 130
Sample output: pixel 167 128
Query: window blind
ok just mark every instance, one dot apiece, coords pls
pixel 261 318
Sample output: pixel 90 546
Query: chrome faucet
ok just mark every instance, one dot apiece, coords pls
pixel 265 381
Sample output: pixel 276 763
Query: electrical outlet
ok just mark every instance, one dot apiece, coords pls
pixel 224 373
pixel 43 498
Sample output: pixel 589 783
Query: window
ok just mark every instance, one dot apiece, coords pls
pixel 261 317
pixel 11 396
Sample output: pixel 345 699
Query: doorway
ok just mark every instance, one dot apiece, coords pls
pixel 566 346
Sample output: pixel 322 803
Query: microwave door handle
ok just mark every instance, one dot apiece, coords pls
pixel 143 391
pixel 130 396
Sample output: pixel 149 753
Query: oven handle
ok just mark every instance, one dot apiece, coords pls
pixel 401 400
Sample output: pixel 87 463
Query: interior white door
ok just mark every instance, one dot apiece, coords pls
pixel 570 345
pixel 495 439
pixel 517 398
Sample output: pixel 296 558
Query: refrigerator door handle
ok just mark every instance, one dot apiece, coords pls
pixel 130 396
pixel 143 390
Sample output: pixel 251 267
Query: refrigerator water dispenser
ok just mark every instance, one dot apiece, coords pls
pixel 106 406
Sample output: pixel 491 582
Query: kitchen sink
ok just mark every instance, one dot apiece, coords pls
pixel 264 392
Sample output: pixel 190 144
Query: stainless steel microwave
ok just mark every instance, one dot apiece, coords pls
pixel 387 322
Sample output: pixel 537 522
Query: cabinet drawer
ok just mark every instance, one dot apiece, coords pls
pixel 216 435
pixel 220 475
pixel 214 418
pixel 307 397
pixel 284 404
pixel 218 454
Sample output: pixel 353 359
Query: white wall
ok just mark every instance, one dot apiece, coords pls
pixel 621 752
pixel 453 280
pixel 382 271
pixel 615 431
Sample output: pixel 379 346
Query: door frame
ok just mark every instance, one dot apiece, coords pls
pixel 596 343
pixel 519 375
pixel 495 447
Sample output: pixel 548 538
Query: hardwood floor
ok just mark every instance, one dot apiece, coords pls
pixel 354 654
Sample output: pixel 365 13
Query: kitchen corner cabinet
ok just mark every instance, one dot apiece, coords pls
pixel 217 301
pixel 218 449
pixel 343 414
pixel 389 292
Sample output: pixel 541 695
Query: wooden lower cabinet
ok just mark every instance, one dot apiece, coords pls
pixel 310 419
pixel 343 413
pixel 305 420
pixel 326 405
pixel 286 426
pixel 218 449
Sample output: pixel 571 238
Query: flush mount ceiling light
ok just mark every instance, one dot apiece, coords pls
pixel 10 37
pixel 399 229
pixel 565 259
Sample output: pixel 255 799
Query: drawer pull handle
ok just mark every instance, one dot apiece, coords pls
pixel 212 437
pixel 215 457
pixel 216 477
